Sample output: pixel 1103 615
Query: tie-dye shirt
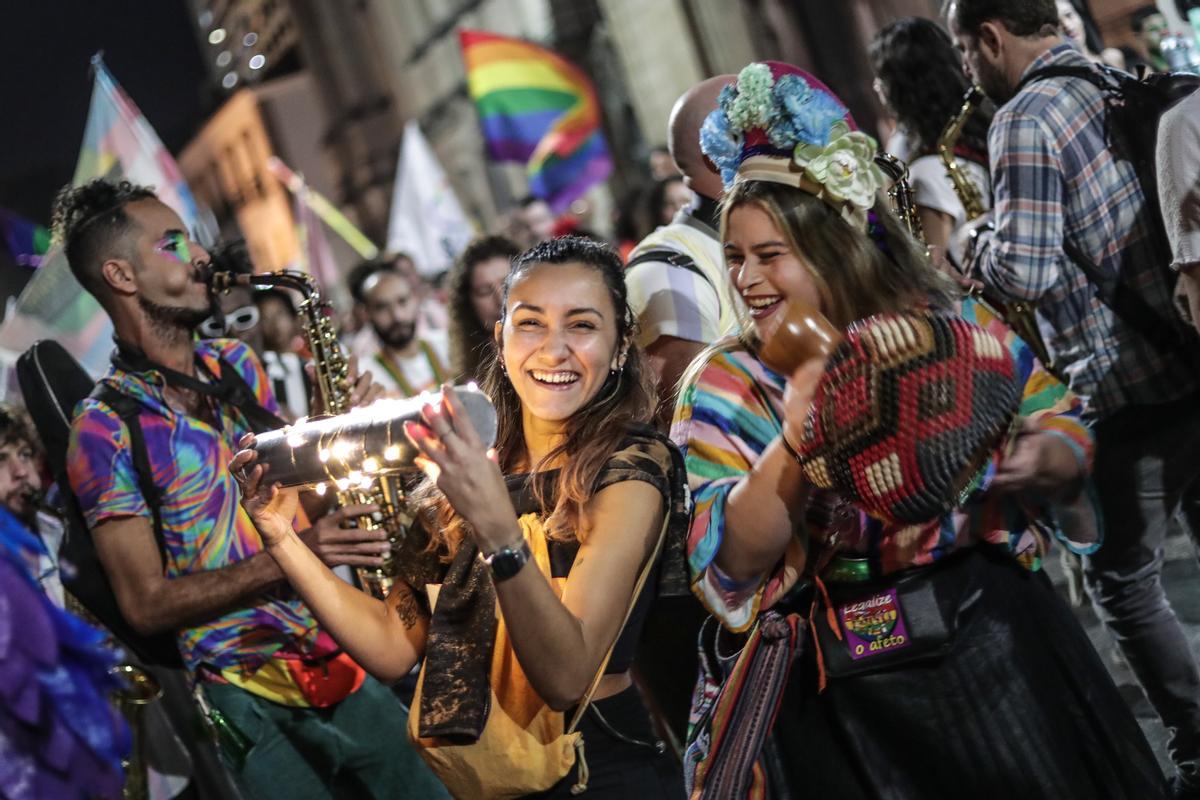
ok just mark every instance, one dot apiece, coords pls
pixel 731 409
pixel 204 525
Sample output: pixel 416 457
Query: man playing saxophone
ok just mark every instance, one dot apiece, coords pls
pixel 305 711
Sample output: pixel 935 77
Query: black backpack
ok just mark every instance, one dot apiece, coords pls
pixel 53 383
pixel 1134 107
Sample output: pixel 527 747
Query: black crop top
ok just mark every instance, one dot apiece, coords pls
pixel 641 458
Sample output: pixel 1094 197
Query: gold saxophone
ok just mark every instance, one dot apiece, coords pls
pixel 1017 313
pixel 140 690
pixel 331 372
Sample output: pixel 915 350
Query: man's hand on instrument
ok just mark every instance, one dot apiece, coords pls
pixel 453 456
pixel 336 542
pixel 363 391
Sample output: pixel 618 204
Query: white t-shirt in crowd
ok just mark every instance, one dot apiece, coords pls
pixel 425 370
pixel 932 188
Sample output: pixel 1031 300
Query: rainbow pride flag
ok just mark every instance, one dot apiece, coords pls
pixel 538 108
pixel 118 144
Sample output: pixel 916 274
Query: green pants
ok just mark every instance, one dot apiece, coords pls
pixel 356 749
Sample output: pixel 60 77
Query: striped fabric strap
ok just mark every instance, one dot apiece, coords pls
pixel 746 710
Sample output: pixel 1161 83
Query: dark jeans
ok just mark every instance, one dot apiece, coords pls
pixel 356 749
pixel 1147 469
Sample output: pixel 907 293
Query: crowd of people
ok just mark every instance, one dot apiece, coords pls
pixel 643 587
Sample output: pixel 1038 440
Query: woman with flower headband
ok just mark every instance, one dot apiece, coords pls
pixel 558 529
pixel 879 659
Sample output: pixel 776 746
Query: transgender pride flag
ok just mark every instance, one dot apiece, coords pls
pixel 118 143
pixel 540 109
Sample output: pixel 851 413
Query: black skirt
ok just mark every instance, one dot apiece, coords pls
pixel 623 755
pixel 1018 706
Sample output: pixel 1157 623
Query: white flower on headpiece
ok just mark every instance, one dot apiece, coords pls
pixel 845 168
pixel 753 106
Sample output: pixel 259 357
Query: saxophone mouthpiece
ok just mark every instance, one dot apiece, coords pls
pixel 222 280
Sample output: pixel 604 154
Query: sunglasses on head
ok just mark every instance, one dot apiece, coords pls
pixel 237 321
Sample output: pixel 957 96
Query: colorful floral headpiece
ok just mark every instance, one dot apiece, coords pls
pixel 780 124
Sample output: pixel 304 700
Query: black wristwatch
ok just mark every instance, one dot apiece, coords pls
pixel 507 561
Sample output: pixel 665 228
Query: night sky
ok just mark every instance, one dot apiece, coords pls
pixel 45 48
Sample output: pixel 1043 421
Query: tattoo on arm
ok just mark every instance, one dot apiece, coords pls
pixel 406 605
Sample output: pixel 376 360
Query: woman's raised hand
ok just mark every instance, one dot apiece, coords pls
pixel 271 507
pixel 797 397
pixel 453 456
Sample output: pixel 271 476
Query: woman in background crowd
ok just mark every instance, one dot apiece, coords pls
pixel 476 283
pixel 921 80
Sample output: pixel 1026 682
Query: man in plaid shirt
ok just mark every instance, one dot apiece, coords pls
pixel 1056 184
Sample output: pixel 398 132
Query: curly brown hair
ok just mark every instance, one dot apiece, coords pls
pixel 470 343
pixel 90 221
pixel 924 82
pixel 592 434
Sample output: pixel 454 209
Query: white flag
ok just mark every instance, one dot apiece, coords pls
pixel 427 222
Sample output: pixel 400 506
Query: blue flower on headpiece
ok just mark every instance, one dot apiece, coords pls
pixel 791 93
pixel 720 145
pixel 726 98
pixel 816 117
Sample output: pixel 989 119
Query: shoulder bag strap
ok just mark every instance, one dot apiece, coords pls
pixel 230 387
pixel 240 395
pixel 672 257
pixel 637 592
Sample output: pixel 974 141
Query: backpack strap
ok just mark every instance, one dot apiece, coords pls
pixel 672 257
pixel 1135 312
pixel 1104 81
pixel 130 411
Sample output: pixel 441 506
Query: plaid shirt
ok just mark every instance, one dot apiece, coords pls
pixel 1055 178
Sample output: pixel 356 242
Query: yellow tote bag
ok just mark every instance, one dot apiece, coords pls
pixel 525 747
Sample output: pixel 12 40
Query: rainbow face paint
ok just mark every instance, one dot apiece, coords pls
pixel 175 246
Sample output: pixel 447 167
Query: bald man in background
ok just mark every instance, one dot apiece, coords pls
pixel 677 284
pixel 683 301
